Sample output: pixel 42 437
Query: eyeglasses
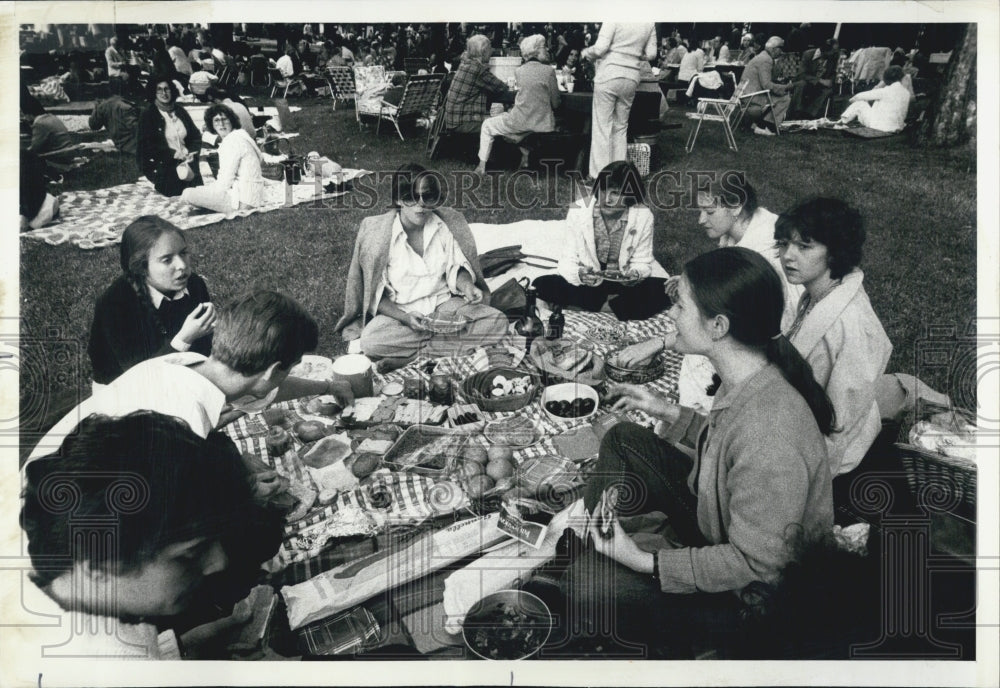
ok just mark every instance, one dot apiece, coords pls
pixel 164 89
pixel 221 119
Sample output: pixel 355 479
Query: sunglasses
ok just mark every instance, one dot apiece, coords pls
pixel 428 199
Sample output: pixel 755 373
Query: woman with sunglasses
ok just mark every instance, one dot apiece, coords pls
pixel 413 266
pixel 169 141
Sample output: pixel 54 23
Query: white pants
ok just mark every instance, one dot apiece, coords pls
pixel 213 197
pixel 493 127
pixel 609 122
pixel 860 110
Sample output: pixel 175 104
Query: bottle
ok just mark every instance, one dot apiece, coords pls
pixel 530 325
pixel 557 321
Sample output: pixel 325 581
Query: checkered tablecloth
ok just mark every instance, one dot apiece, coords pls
pixel 410 506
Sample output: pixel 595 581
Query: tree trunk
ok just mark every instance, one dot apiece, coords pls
pixel 951 121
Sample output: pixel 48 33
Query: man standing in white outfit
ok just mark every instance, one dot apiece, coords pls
pixel 888 107
pixel 619 50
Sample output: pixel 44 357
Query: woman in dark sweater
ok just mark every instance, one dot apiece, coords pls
pixel 169 141
pixel 158 306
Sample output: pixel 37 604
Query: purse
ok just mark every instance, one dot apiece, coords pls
pixel 500 260
pixel 510 297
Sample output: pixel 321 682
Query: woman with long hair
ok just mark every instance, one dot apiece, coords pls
pixel 759 483
pixel 157 306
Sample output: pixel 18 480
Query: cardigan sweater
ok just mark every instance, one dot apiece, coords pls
pixel 761 479
pixel 636 247
pixel 153 153
pixel 371 255
pixel 125 332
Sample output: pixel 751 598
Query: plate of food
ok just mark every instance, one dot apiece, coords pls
pixel 609 335
pixel 616 275
pixel 456 323
pixel 516 431
pixel 313 367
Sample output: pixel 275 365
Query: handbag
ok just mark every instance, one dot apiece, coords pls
pixel 510 297
pixel 500 260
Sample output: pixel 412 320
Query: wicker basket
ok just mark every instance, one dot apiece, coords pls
pixel 638 376
pixel 639 154
pixel 946 473
pixel 476 388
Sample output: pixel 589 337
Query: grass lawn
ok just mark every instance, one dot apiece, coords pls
pixel 919 261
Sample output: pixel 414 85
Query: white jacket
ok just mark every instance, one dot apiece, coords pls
pixel 637 244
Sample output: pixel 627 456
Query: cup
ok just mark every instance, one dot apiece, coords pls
pixel 358 371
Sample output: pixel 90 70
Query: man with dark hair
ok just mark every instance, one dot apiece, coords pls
pixel 124 523
pixel 257 340
pixel 415 266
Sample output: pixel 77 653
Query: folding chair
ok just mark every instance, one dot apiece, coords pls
pixel 342 85
pixel 412 65
pixel 260 75
pixel 366 78
pixel 419 96
pixel 729 113
pixel 278 80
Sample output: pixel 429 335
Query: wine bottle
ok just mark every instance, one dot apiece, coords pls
pixel 530 325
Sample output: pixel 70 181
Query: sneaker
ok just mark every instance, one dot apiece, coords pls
pixel 761 131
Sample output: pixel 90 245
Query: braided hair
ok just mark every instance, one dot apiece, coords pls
pixel 137 241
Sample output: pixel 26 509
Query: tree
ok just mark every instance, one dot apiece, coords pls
pixel 951 119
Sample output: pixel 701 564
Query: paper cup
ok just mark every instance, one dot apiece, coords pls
pixel 358 371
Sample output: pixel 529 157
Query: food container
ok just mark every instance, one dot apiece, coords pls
pixel 464 411
pixel 515 432
pixel 478 388
pixel 507 625
pixel 567 392
pixel 441 447
pixel 592 373
pixel 638 376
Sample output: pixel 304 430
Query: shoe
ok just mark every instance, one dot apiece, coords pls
pixel 761 131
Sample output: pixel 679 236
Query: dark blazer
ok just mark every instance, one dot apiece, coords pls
pixel 125 332
pixel 155 157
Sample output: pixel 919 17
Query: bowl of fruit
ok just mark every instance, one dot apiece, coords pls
pixel 569 401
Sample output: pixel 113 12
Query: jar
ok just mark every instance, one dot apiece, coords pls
pixel 440 391
pixel 278 441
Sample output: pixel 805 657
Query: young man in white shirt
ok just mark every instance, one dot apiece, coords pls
pixel 257 340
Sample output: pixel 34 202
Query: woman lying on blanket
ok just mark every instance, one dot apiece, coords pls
pixel 169 141
pixel 239 182
pixel 157 306
pixel 414 267
pixel 609 251
pixel 758 486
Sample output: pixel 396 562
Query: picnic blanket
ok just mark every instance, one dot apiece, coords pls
pixel 97 218
pixel 823 124
pixel 411 504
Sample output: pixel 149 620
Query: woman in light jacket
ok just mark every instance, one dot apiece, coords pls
pixel 617 53
pixel 239 182
pixel 612 230
pixel 537 97
pixel 836 330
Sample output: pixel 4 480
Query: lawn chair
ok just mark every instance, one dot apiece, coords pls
pixel 413 65
pixel 419 96
pixel 278 80
pixel 260 76
pixel 342 85
pixel 729 113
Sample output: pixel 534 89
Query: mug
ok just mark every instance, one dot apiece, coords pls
pixel 358 371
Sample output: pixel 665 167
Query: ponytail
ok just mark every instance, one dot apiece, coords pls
pixel 798 373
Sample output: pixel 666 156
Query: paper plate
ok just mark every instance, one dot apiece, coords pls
pixel 313 367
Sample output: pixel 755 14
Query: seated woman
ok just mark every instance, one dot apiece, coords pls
pixel 759 485
pixel 239 183
pixel 412 265
pixel 730 213
pixel 537 97
pixel 169 141
pixel 884 107
pixel 466 105
pixel 193 500
pixel 610 231
pixel 835 328
pixel 157 306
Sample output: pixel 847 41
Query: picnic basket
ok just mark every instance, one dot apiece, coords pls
pixel 478 387
pixel 639 154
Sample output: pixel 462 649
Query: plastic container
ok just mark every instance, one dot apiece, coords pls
pixel 568 391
